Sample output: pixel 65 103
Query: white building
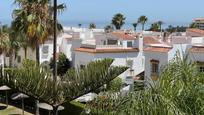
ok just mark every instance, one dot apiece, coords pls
pixel 126 49
pixel 158 55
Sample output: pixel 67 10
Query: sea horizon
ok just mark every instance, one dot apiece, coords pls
pixel 102 24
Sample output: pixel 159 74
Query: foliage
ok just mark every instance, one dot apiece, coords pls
pixel 194 25
pixel 34 18
pixel 135 26
pixel 115 85
pixel 179 91
pixel 172 29
pixel 31 79
pixel 108 28
pixel 92 26
pixel 142 20
pixel 63 64
pixel 155 27
pixel 118 21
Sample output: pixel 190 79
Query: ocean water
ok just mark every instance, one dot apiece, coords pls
pixel 102 24
pixel 127 25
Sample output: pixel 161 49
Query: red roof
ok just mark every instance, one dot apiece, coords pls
pixel 197 49
pixel 150 40
pixel 123 35
pixel 112 50
pixel 198 31
pixel 158 49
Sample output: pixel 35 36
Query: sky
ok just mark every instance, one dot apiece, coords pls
pixel 82 11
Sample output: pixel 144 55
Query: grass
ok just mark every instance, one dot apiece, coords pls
pixel 73 108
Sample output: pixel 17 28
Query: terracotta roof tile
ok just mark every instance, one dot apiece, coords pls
pixel 197 49
pixel 150 40
pixel 158 49
pixel 198 31
pixel 123 35
pixel 112 50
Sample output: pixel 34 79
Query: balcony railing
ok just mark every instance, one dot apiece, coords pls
pixel 109 46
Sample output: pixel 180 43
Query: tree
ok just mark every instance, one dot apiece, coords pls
pixel 160 25
pixel 194 25
pixel 79 25
pixel 179 90
pixel 92 26
pixel 63 64
pixel 9 44
pixel 155 27
pixel 135 26
pixel 108 28
pixel 4 39
pixel 118 21
pixel 36 82
pixel 34 18
pixel 142 20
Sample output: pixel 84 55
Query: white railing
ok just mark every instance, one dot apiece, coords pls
pixel 108 46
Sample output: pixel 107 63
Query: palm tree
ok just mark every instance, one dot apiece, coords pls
pixel 35 19
pixel 118 21
pixel 4 39
pixel 108 28
pixel 160 25
pixel 79 25
pixel 142 19
pixel 92 26
pixel 135 26
pixel 155 27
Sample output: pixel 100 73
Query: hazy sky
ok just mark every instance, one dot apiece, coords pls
pixel 169 11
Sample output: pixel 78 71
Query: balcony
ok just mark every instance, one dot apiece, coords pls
pixel 109 46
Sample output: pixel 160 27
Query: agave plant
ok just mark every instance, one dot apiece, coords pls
pixel 31 79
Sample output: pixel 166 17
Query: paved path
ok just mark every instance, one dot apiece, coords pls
pixel 11 110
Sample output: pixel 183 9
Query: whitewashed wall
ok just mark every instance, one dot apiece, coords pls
pixel 120 60
pixel 161 57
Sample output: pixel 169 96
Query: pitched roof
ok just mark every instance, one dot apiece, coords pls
pixel 110 50
pixel 197 49
pixel 194 30
pixel 158 49
pixel 123 35
pixel 150 40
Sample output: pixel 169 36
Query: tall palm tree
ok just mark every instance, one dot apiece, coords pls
pixel 142 19
pixel 118 21
pixel 4 39
pixel 160 25
pixel 135 26
pixel 35 19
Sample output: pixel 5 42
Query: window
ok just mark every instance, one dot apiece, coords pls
pixel 201 68
pixel 129 44
pixel 112 42
pixel 154 66
pixel 45 49
pixel 82 66
pixel 19 59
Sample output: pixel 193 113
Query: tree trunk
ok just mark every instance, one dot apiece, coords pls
pixel 55 112
pixel 10 58
pixel 25 52
pixel 142 27
pixel 37 52
pixel 37 108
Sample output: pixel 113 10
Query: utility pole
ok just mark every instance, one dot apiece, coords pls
pixel 54 56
